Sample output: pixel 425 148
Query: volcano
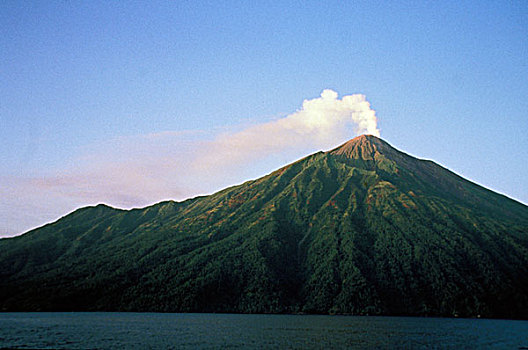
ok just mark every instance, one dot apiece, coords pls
pixel 362 229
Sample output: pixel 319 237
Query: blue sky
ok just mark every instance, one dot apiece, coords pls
pixel 94 95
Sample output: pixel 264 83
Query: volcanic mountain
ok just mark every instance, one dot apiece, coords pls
pixel 361 229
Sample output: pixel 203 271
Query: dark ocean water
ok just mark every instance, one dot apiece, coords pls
pixel 220 331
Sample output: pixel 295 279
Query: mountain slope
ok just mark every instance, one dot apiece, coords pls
pixel 361 229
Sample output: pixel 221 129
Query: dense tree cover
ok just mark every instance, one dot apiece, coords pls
pixel 363 229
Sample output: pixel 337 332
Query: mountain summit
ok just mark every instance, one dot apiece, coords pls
pixel 361 229
pixel 365 147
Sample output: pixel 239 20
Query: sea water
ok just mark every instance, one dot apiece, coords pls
pixel 232 331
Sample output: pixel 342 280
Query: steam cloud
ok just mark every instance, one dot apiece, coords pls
pixel 322 122
pixel 145 169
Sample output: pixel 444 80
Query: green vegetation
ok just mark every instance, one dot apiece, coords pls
pixel 363 229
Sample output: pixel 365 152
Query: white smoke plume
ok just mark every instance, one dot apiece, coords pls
pixel 144 169
pixel 321 123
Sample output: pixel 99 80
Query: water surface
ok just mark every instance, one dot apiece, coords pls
pixel 219 331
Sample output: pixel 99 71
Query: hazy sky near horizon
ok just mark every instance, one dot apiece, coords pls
pixel 131 103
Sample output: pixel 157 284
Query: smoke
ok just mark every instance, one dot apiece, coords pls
pixel 145 169
pixel 321 123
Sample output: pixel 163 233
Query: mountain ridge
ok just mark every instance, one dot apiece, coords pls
pixel 335 151
pixel 360 229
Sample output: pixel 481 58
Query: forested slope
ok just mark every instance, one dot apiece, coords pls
pixel 362 229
